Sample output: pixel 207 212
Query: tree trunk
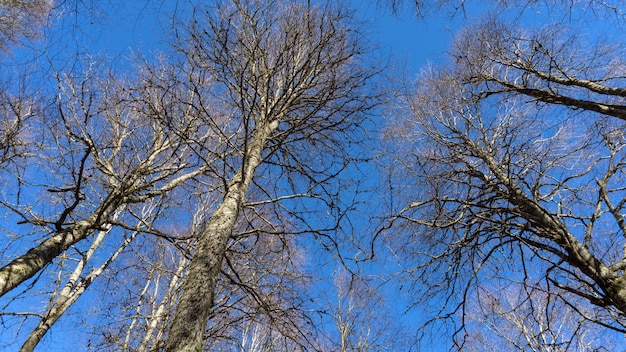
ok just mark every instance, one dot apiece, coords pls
pixel 72 291
pixel 194 307
pixel 164 306
pixel 27 265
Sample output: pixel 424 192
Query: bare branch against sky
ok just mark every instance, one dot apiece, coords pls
pixel 239 175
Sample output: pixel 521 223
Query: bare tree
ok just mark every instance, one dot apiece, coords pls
pixel 274 91
pixel 103 157
pixel 362 316
pixel 553 65
pixel 145 295
pixel 515 186
pixel 425 8
pixel 527 320
pixel 21 19
pixel 261 295
pixel 95 175
pixel 290 76
pixel 77 283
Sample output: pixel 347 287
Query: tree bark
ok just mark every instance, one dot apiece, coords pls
pixel 194 306
pixel 30 263
pixel 72 291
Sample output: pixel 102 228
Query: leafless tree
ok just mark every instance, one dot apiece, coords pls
pixel 102 159
pixel 92 159
pixel 289 75
pixel 362 316
pixel 262 296
pixel 508 317
pixel 145 282
pixel 273 90
pixel 514 155
pixel 77 283
pixel 426 8
pixel 21 19
pixel 553 65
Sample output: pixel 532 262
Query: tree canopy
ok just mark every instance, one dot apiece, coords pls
pixel 263 178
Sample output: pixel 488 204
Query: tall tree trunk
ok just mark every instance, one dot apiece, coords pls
pixel 194 307
pixel 164 306
pixel 72 291
pixel 27 265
